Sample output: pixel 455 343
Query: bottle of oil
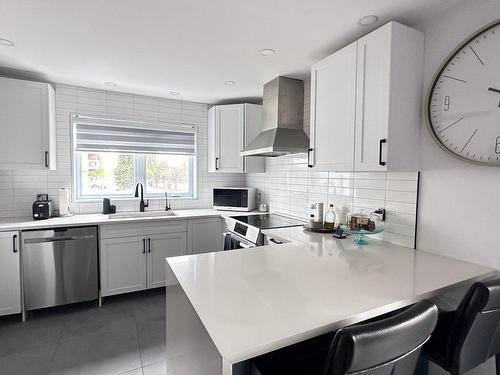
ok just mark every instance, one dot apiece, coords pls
pixel 330 217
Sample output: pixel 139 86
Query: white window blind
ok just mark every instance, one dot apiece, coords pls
pixel 109 135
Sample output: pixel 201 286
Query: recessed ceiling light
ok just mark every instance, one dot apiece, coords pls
pixel 267 52
pixel 110 84
pixel 174 93
pixel 230 83
pixel 6 42
pixel 367 20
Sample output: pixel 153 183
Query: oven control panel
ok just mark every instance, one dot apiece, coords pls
pixel 246 231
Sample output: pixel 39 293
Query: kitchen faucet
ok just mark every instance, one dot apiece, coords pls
pixel 167 206
pixel 142 205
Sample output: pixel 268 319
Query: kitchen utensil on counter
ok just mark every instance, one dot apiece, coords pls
pixel 330 218
pixel 64 202
pixel 263 207
pixel 106 206
pixel 42 207
pixel 42 197
pixel 313 227
pixel 316 214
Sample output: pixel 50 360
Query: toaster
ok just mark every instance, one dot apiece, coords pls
pixel 42 207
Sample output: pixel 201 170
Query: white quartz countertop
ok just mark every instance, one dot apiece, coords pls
pixel 253 301
pixel 28 223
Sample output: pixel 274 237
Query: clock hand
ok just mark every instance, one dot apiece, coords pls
pixel 494 90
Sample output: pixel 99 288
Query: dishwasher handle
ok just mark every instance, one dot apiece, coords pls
pixel 58 239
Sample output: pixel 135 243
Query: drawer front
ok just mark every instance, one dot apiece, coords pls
pixel 142 229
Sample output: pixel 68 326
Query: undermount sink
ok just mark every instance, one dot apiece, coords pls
pixel 131 215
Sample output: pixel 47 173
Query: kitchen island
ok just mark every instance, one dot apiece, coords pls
pixel 229 307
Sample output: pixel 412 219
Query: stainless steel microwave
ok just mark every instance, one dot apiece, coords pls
pixel 234 198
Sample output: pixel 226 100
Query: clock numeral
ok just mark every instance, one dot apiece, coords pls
pixel 497 145
pixel 447 100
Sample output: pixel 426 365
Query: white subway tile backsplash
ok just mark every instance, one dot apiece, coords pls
pixel 289 187
pixel 370 184
pixel 401 185
pixel 401 207
pixel 400 218
pixel 406 230
pixel 374 194
pixel 401 196
pixel 403 176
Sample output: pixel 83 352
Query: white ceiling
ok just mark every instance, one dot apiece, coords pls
pixel 154 47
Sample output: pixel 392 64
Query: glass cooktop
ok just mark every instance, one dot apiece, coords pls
pixel 269 221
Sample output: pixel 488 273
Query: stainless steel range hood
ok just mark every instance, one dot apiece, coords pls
pixel 282 130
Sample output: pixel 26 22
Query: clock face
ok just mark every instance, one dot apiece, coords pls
pixel 464 100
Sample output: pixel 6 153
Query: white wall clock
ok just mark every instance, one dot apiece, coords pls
pixel 463 106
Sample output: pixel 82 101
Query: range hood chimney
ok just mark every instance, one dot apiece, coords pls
pixel 282 130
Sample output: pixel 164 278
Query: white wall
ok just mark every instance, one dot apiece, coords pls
pixel 459 202
pixel 18 187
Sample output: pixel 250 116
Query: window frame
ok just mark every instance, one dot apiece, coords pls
pixel 139 162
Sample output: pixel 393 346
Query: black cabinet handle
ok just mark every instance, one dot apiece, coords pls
pixel 149 245
pixel 46 159
pixel 216 164
pixel 275 241
pixel 144 246
pixel 14 241
pixel 309 158
pixel 380 146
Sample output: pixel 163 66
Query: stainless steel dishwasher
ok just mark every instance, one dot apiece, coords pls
pixel 59 266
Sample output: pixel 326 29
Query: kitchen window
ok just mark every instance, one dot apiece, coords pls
pixel 111 156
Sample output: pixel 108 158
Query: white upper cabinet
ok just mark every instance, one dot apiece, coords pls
pixel 389 99
pixel 333 99
pixel 366 116
pixel 27 120
pixel 230 128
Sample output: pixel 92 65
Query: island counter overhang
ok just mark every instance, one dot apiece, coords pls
pixel 252 301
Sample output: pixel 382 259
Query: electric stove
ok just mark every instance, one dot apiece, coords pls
pixel 245 230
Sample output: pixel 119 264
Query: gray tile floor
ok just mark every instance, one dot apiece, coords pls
pixel 125 336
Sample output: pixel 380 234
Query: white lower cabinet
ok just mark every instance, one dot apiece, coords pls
pixel 205 235
pixel 161 246
pixel 123 265
pixel 10 279
pixel 132 256
pixel 129 264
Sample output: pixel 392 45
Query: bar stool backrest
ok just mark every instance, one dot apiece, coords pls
pixel 387 347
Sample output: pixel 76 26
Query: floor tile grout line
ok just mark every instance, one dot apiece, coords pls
pixel 56 346
pixel 138 339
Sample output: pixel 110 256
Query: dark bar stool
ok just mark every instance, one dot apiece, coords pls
pixel 469 336
pixel 389 346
